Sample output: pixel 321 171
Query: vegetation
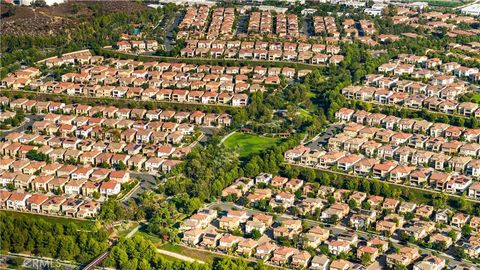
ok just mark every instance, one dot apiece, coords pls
pixel 247 144
pixel 138 253
pixel 66 241
pixel 14 121
pixel 100 30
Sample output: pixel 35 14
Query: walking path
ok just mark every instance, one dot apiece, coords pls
pixel 178 256
pixel 226 137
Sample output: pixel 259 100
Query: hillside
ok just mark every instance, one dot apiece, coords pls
pixel 20 20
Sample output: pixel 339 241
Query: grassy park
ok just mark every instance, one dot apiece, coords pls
pixel 247 144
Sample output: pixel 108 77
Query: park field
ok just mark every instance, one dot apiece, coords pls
pixel 246 144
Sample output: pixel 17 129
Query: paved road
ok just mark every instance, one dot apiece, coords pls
pixel 468 4
pixel 147 182
pixel 170 39
pixel 342 229
pixel 25 126
pixel 320 140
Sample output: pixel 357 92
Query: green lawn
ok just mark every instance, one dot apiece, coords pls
pixel 305 114
pixel 192 253
pixel 148 236
pixel 85 224
pixel 246 144
pixel 476 98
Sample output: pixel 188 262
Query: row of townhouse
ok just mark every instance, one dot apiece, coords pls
pixel 195 18
pixel 51 205
pixel 259 54
pixel 287 26
pixel 183 96
pixel 416 126
pixel 439 85
pixel 284 186
pixel 136 132
pixel 408 63
pixel 471 47
pixel 260 23
pixel 388 170
pixel 199 232
pixel 325 25
pixel 65 179
pixel 149 157
pixel 294 47
pixel 74 58
pixel 407 155
pixel 221 24
pixel 137 45
pixel 111 116
pixel 445 104
pixel 170 71
pixel 234 220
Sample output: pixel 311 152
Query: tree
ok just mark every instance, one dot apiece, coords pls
pixel 466 230
pixel 122 166
pixel 352 203
pixel 256 234
pixel 366 258
pixel 333 219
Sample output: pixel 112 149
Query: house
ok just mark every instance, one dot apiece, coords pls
pixel 344 114
pixel 315 236
pixel 192 237
pixel 246 247
pixel 385 227
pixel 459 220
pixel 34 202
pixel 282 255
pixel 110 188
pixel 17 201
pixel 336 247
pixel 88 209
pixel 264 251
pixel 301 259
pixel 430 262
pixel 440 239
pixel 340 210
pixel 53 205
pixel 405 256
pixel 229 223
pixel 227 242
pixel 371 251
pixel 341 264
pixel 210 240
pixel 263 178
pixel 320 262
pixel 443 216
pixel 378 243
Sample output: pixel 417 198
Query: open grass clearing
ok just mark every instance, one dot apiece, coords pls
pixel 204 256
pixel 246 144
